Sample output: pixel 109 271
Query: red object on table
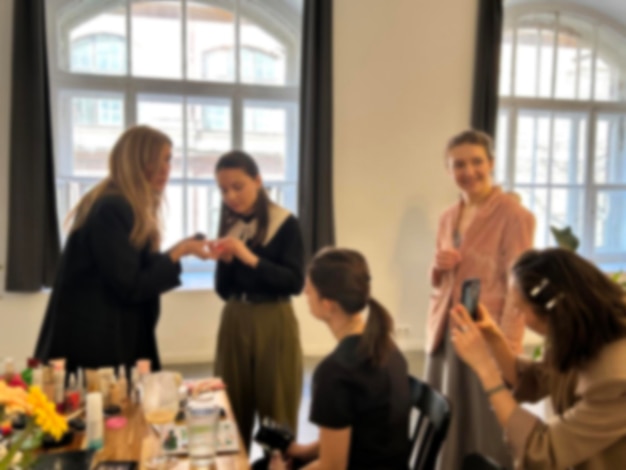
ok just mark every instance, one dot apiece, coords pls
pixel 6 429
pixel 72 401
pixel 17 381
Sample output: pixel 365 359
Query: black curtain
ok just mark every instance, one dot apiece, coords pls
pixel 316 127
pixel 487 66
pixel 33 234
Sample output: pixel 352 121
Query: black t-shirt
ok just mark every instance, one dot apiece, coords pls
pixel 374 401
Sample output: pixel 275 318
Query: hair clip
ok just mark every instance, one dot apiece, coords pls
pixel 535 291
pixel 552 302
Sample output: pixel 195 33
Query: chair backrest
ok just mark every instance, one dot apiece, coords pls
pixel 479 462
pixel 429 428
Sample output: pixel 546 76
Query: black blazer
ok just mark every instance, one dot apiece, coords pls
pixel 105 304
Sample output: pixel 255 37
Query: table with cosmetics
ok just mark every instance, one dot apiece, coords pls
pixel 137 442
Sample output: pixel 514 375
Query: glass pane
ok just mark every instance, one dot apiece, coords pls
pixel 534 55
pixel 284 194
pixel 265 137
pixel 546 62
pixel 96 123
pixel 506 62
pixel 573 78
pixel 203 209
pixel 263 59
pixel 209 135
pixel 69 192
pixel 566 67
pixel 165 114
pixel 610 222
pixel 174 229
pixel 532 147
pixel 610 152
pixel 536 200
pixel 567 210
pixel 210 43
pixel 156 39
pixel 610 66
pixel 502 145
pixel 98 45
pixel 569 146
pixel 527 60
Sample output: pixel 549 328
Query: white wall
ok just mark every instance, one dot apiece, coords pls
pixel 403 72
pixel 403 77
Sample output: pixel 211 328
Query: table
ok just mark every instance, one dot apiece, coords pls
pixel 137 442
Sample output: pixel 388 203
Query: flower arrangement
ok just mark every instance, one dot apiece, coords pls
pixel 41 417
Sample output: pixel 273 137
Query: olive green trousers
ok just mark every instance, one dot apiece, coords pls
pixel 259 357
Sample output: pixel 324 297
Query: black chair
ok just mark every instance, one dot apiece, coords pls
pixel 431 427
pixel 479 462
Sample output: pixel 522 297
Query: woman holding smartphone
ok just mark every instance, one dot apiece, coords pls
pixel 479 237
pixel 582 315
pixel 260 266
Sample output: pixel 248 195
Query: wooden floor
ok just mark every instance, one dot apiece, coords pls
pixel 306 431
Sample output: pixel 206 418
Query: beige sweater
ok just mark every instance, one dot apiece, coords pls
pixel 591 434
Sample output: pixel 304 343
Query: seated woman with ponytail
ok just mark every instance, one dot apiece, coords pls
pixel 360 397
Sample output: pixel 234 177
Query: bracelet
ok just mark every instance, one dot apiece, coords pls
pixel 495 389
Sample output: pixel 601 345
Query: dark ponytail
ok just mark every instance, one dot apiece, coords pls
pixel 239 160
pixel 377 336
pixel 343 276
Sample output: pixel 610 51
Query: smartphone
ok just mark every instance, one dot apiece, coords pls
pixel 470 293
pixel 199 236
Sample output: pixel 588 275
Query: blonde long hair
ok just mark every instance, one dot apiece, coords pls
pixel 133 157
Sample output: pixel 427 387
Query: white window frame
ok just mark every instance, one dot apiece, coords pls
pixel 284 25
pixel 512 105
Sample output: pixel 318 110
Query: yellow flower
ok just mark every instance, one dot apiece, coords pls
pixel 45 413
pixel 13 399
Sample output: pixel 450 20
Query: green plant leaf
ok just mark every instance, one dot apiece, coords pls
pixel 565 238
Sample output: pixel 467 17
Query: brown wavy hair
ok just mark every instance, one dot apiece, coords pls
pixel 135 154
pixel 583 307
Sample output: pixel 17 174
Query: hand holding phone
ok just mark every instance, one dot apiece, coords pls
pixel 470 295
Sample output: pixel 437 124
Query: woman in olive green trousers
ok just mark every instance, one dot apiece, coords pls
pixel 260 266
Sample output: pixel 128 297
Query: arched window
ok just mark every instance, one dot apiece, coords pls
pixel 213 74
pixel 562 125
pixel 98 53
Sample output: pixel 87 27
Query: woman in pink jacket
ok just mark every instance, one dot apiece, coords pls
pixel 478 237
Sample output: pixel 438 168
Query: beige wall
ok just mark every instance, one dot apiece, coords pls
pixel 403 72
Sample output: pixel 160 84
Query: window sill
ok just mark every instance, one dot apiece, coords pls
pixel 197 281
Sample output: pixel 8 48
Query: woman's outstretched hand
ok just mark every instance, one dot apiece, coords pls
pixel 468 338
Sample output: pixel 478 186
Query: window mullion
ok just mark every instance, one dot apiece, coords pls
pixel 237 42
pixel 183 41
pixel 549 179
pixel 577 77
pixel 594 61
pixel 512 157
pixel 590 187
pixel 185 162
pixel 538 64
pixel 238 120
pixel 555 51
pixel 129 38
pixel 514 60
